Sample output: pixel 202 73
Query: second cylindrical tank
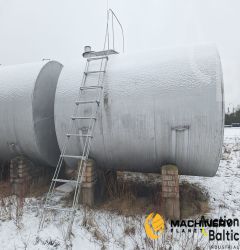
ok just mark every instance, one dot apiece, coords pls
pixel 27 128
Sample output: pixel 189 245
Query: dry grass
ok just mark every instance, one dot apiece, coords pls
pixel 37 191
pixel 193 200
pixel 5 189
pixel 140 196
pixel 132 198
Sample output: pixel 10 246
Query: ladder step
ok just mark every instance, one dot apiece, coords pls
pixel 83 117
pixel 91 87
pixel 94 72
pixel 65 181
pixel 79 135
pixel 59 208
pixel 85 102
pixel 97 58
pixel 74 157
pixel 94 54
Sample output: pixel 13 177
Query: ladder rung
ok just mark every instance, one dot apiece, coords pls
pixel 97 58
pixel 83 117
pixel 65 181
pixel 85 102
pixel 59 208
pixel 74 157
pixel 91 87
pixel 94 72
pixel 79 135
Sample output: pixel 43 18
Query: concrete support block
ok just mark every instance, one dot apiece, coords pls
pixel 170 192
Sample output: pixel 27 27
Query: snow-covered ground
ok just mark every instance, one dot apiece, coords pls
pixel 224 188
pixel 103 230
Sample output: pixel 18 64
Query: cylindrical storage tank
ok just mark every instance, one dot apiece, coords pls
pixel 27 128
pixel 159 107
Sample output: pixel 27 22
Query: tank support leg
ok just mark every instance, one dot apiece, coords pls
pixel 170 192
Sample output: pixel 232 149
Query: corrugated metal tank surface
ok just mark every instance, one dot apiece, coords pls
pixel 163 106
pixel 27 111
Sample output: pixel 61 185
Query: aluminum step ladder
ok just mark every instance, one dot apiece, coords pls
pixel 102 57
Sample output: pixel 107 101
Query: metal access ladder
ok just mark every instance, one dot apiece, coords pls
pixel 102 57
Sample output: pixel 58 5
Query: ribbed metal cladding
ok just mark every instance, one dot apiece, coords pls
pixel 27 111
pixel 163 106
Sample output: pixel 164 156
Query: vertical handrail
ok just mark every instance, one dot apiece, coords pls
pixel 106 40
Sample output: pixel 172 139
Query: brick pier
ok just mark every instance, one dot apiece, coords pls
pixel 24 175
pixel 88 188
pixel 96 184
pixel 170 192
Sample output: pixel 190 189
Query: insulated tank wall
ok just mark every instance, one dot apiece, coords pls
pixel 27 94
pixel 159 107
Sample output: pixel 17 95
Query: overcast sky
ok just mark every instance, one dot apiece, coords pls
pixel 58 29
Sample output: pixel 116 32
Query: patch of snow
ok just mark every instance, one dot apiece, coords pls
pixel 94 229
